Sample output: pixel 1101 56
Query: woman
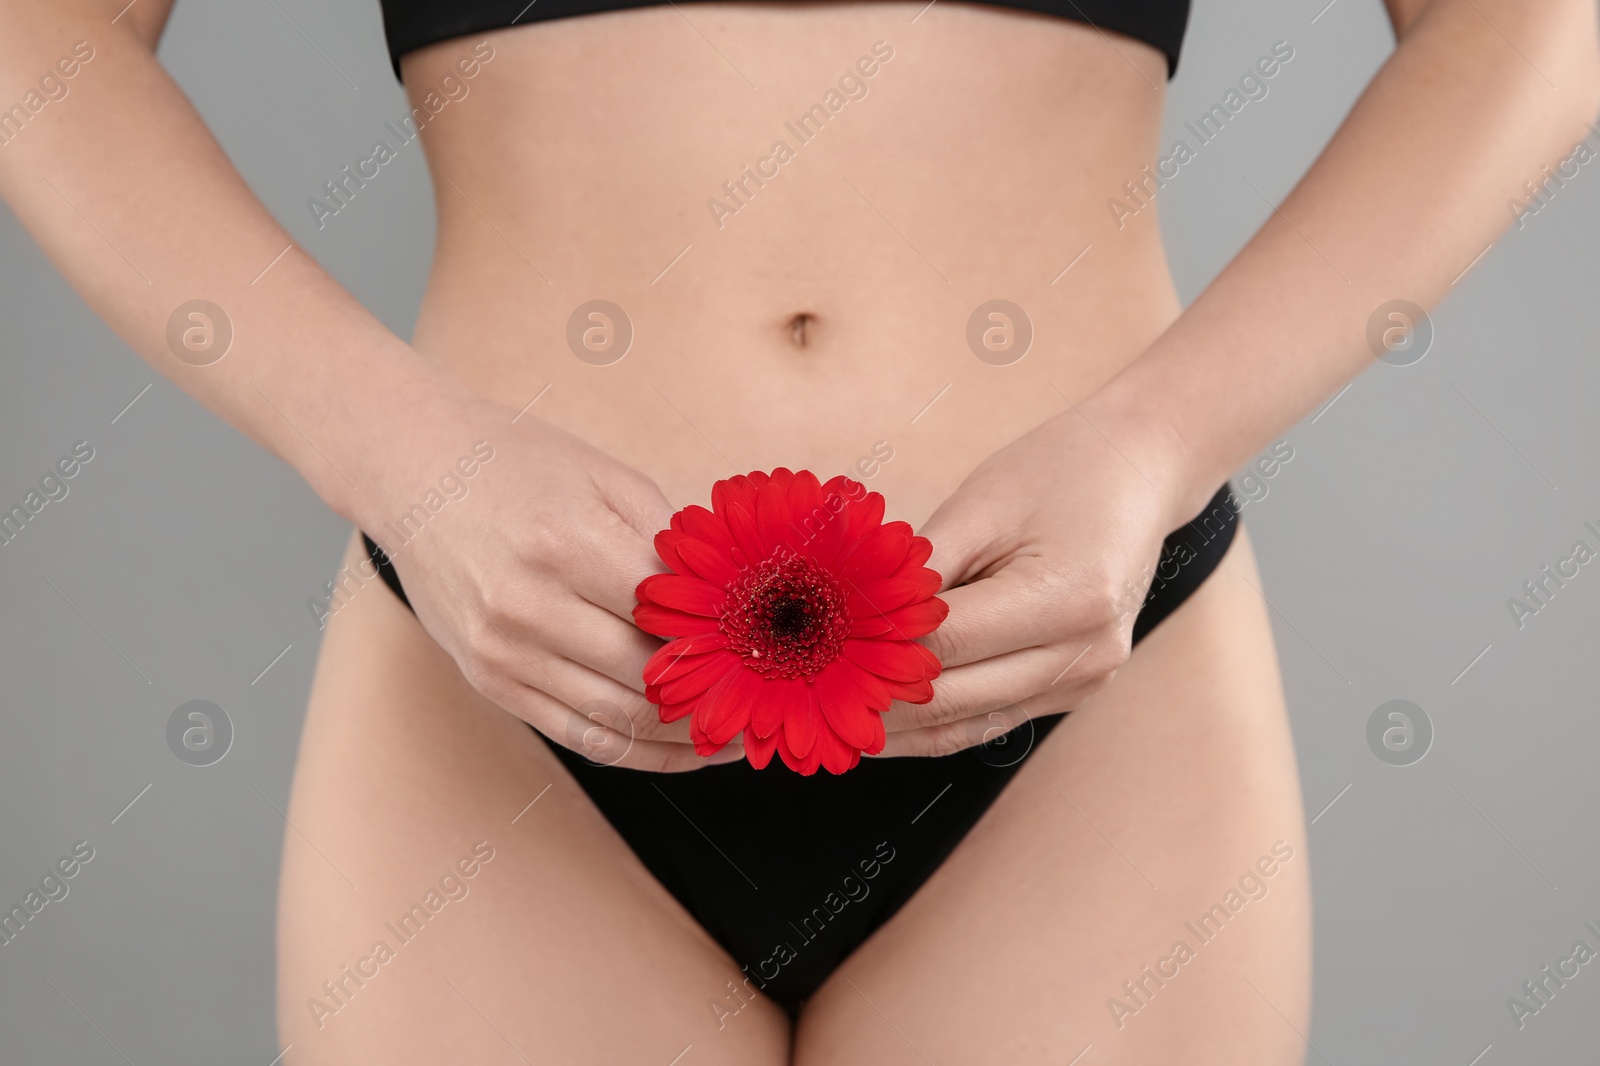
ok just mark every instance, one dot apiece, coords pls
pixel 460 887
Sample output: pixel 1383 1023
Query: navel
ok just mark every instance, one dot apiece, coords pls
pixel 801 327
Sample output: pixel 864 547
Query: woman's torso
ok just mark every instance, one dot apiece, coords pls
pixel 810 320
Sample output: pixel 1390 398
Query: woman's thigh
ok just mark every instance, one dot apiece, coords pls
pixel 1138 826
pixel 449 894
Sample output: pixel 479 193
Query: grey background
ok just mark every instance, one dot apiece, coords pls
pixel 183 557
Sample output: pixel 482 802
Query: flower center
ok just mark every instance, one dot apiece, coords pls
pixel 786 617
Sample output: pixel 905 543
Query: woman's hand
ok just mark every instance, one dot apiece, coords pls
pixel 527 579
pixel 1047 551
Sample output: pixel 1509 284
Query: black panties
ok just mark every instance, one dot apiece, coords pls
pixel 789 873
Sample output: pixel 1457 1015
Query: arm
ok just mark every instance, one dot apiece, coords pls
pixel 122 185
pixel 529 585
pixel 1410 191
pixel 1047 548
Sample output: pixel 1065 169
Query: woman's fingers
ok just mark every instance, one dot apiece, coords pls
pixel 594 663
pixel 625 710
pixel 597 663
pixel 959 531
pixel 977 688
pixel 999 728
pixel 602 560
pixel 952 737
pixel 640 503
pixel 597 639
pixel 578 605
pixel 601 735
pixel 987 618
pixel 1025 605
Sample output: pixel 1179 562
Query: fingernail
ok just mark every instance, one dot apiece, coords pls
pixel 728 754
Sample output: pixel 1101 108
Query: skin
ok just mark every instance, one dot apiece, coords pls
pixel 578 167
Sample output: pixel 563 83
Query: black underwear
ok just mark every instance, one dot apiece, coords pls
pixel 789 873
pixel 409 24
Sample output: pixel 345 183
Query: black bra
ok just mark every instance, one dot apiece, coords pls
pixel 412 24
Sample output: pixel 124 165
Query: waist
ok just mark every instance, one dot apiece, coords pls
pixel 847 242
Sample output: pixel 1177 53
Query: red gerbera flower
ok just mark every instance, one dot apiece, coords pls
pixel 794 607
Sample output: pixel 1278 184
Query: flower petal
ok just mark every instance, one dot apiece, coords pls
pixel 671 712
pixel 890 594
pixel 931 666
pixel 743 524
pixel 871 625
pixel 680 656
pixel 850 699
pixel 827 544
pixel 772 516
pixel 706 562
pixel 879 555
pixel 836 755
pixel 800 725
pixel 879 737
pixel 758 750
pixel 866 512
pixel 921 551
pixel 707 671
pixel 703 745
pixel 725 708
pixel 805 765
pixel 666 544
pixel 727 491
pixel 894 660
pixel 807 515
pixel 805 491
pixel 911 691
pixel 703 525
pixel 913 620
pixel 661 622
pixel 778 699
pixel 687 594
pixel 785 754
